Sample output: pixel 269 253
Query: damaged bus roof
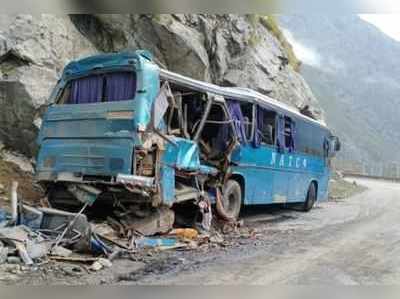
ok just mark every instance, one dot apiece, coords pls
pixel 133 58
pixel 237 93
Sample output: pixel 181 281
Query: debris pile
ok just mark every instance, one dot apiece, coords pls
pixel 34 235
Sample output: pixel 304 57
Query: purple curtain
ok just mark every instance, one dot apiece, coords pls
pixel 87 90
pixel 236 113
pixel 120 86
pixel 116 86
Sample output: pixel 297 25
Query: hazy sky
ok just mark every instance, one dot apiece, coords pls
pixel 388 23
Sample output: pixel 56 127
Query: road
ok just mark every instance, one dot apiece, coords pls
pixel 353 242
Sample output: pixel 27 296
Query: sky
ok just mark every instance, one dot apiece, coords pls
pixel 388 23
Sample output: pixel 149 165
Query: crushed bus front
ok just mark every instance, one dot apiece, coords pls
pixel 100 133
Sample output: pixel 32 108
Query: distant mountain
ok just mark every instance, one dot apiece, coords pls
pixel 354 71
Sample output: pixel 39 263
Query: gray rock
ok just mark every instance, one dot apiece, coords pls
pixel 105 262
pixel 96 266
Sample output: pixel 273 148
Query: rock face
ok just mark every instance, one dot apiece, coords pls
pixel 228 50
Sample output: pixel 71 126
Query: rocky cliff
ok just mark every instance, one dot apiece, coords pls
pixel 229 50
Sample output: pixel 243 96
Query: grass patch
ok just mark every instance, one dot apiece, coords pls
pixel 342 189
pixel 271 23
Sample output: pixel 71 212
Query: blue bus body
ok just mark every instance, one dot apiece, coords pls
pixel 113 143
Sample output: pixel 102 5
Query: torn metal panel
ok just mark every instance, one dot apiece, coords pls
pixel 136 180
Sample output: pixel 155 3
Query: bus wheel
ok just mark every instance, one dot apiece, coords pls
pixel 231 199
pixel 311 198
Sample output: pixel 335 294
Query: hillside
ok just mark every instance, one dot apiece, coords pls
pixel 354 71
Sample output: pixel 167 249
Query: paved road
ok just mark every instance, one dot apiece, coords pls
pixel 356 241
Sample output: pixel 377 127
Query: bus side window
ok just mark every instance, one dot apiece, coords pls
pixel 247 111
pixel 289 134
pixel 266 126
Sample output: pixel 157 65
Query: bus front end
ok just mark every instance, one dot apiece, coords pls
pixel 94 133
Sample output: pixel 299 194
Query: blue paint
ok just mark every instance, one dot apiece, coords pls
pixel 100 139
pixel 90 138
pixel 183 155
pixel 272 177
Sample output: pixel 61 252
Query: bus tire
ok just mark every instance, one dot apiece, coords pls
pixel 311 198
pixel 232 199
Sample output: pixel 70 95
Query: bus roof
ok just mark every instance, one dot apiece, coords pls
pixel 241 94
pixel 237 93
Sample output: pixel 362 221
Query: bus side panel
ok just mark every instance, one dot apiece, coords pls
pixel 323 185
pixel 253 164
pixel 271 177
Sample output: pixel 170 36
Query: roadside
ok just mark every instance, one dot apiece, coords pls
pixel 341 188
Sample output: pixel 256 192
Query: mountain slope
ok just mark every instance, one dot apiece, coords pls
pixel 354 70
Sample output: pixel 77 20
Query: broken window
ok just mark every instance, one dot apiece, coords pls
pixel 108 87
pixel 289 133
pixel 184 115
pixel 266 127
pixel 217 134
pixel 247 111
pixel 239 121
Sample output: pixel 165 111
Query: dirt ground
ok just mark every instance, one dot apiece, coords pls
pixel 242 255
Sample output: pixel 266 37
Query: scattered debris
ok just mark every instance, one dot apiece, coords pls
pixel 185 233
pixel 81 259
pixel 155 242
pixel 216 238
pixel 33 235
pixel 96 266
pixel 3 253
pixel 159 221
pixel 61 251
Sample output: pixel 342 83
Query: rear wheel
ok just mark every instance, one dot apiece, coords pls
pixel 311 198
pixel 232 199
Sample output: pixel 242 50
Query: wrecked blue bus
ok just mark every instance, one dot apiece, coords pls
pixel 123 129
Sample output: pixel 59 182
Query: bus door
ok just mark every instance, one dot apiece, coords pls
pixel 279 163
pixel 265 151
pixel 293 163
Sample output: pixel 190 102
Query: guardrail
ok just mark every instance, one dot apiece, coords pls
pixel 375 177
pixel 384 171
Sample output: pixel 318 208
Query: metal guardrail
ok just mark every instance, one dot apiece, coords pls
pixel 358 175
pixel 385 171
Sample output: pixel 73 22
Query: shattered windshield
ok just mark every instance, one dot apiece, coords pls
pixel 109 87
